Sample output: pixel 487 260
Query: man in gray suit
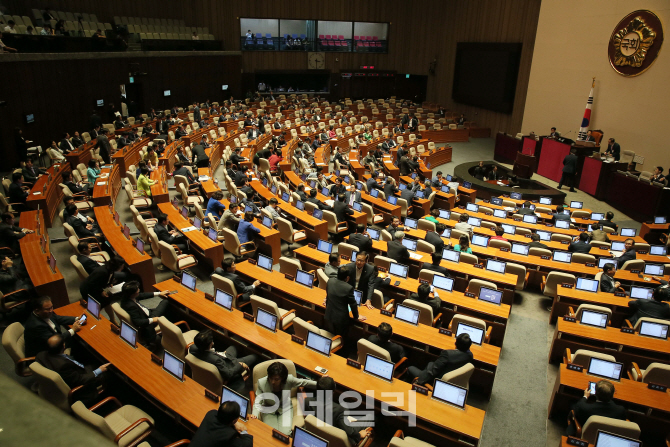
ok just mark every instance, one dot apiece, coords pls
pixel 569 171
pixel 339 300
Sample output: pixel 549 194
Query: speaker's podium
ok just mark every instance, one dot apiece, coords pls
pixel 551 153
pixel 597 174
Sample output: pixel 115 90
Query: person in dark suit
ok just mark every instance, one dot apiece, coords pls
pixel 168 236
pixel 341 209
pixel 362 276
pixel 427 190
pixel 84 258
pixel 301 192
pixel 525 209
pixel 404 120
pixel 339 299
pixel 74 188
pixel 76 140
pixel 383 340
pixel 180 169
pixel 613 149
pixel 389 188
pixel 17 195
pixel 30 172
pixel 589 137
pixel 658 175
pixel 394 227
pixel 494 174
pixel 607 282
pixel 396 251
pixel 142 318
pixel 330 411
pixel 104 146
pixel 448 360
pixel 16 281
pixel 480 171
pixel 408 193
pixel 404 165
pixel 180 132
pixel 535 238
pixel 461 120
pixel 253 133
pixel 227 270
pixel 628 254
pixel 581 245
pixel 607 222
pixel 599 405
pixel 569 170
pixel 435 264
pixel 83 230
pixel 656 308
pixel 338 188
pixel 199 154
pixel 554 133
pixel 236 158
pixel 422 295
pixel 10 233
pixel 312 199
pixel 434 238
pixel 372 183
pixel 43 323
pixel 560 215
pixel 230 366
pixel 72 372
pixel 222 427
pixel 361 239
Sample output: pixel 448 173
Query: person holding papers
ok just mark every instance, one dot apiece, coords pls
pixel 449 360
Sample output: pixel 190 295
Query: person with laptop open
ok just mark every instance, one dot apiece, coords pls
pixel 525 209
pixel 435 264
pixel 395 225
pixel 171 237
pixel 607 221
pixel 448 360
pixel 600 404
pixel 463 225
pixel 581 244
pixel 339 299
pixel 222 427
pixel 628 254
pixel 597 233
pixel 463 245
pixel 422 295
pixel 227 270
pixel 383 340
pixel 654 308
pixel 361 239
pixel 607 282
pixel 396 250
pixel 141 317
pixel 559 215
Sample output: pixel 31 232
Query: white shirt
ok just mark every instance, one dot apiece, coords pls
pixel 359 272
pixel 9 29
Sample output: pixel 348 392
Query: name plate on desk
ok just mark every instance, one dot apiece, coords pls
pixel 604 248
pixel 420 389
pixel 627 330
pixel 353 363
pixel 565 242
pixel 573 367
pixel 469 294
pixel 281 436
pixel 642 252
pixel 526 235
pixel 382 269
pixel 485 201
pixel 423 281
pixel 548 225
pixel 251 261
pixel 177 279
pixel 115 329
pixel 478 266
pixel 566 286
pixel 578 442
pixel 534 201
pixel 346 258
pixel 581 230
pixel 461 207
pixel 622 294
pixel 296 339
pixel 545 257
pixel 248 316
pixel 209 297
pixel 211 396
pixel 570 319
pixel 636 271
pixel 657 387
pixel 506 196
pixel 385 312
pixel 516 219
pixel 504 249
pixel 445 331
pixel 289 277
pixel 312 246
pixel 590 264
pixel 82 303
pixel 157 360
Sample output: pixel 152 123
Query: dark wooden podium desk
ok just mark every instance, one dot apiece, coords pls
pixel 185 402
pixel 637 199
pixel 624 347
pixel 434 420
pixel 648 408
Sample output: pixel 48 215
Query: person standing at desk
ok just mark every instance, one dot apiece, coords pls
pixel 602 405
pixel 339 299
pixel 222 427
pixel 613 149
pixel 104 146
pixel 569 170
pixel 199 154
pixel 362 276
pixel 553 133
pixel 141 317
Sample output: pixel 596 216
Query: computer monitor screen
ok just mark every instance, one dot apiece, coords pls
pixel 451 255
pixel 166 92
pixel 319 343
pixel 476 334
pixel 576 204
pixel 228 395
pixel 444 214
pixel 515 195
pixel 139 244
pixel 591 318
pixel 284 197
pixel 303 438
pixel 587 285
pixel 128 334
pixel 604 439
pixel 630 232
pixel 378 367
pixel 265 262
pixel 317 214
pixel 544 235
pixel 605 368
pixel 325 246
pixel 562 256
pixel 197 223
pixel 658 250
pixel 496 201
pixel 300 205
pixel 490 295
pixel 467 185
pixel 446 233
pixel 374 234
pixel 530 218
pixel 419 195
pixel 618 246
pixel 273 189
pixel 184 212
pixel 655 330
pixel 266 319
pixel 398 270
pixel 392 200
pixel 325 191
pixel 603 261
pixel 213 235
pixel 654 269
pixel 188 280
pixel 520 249
pixel 100 102
pixel 267 221
pixel 545 200
pixel 173 365
pixel 402 187
pixel 445 189
pixel 413 175
pixel 449 177
pixel 472 207
pixel 641 293
pixel 495 266
pixel 660 220
pixel 508 229
pixel 410 244
pixel 500 213
pixel 410 223
pixel 359 186
pixel 374 193
pixel 345 179
pixel 444 283
pixel 407 314
pixel 304 278
pixel 312 184
pixel 248 209
pixel 532 206
pixel 475 221
pixel 358 296
pixel 126 231
pixel 358 207
pixel 223 299
pixel 482 241
pixel 264 182
pixel 597 216
pixel 564 224
pixel 449 393
pixel 93 307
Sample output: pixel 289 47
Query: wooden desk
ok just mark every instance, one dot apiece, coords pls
pixel 203 247
pixel 624 347
pixel 129 155
pixel 159 191
pixel 47 195
pixel 573 298
pixel 81 155
pixel 140 264
pixel 36 262
pixel 457 427
pixel 183 401
pixel 106 190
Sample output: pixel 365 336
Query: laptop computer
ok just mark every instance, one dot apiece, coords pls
pixel 317 214
pixel 472 207
pixel 544 235
pixel 587 285
pixel 654 330
pixel 496 266
pixel 173 365
pixel 378 367
pixel 266 320
pixel 324 246
pixel 500 213
pixel 409 244
pixel 443 283
pixel 545 200
pixel 128 334
pixel 577 205
pixel 449 393
pixel 563 224
pixel 530 218
pixel 444 214
pixel 188 281
pixel 490 295
pixel 654 269
pixel 605 368
pixel 223 299
pixel 318 343
pixel 660 220
pixel 267 222
pixel 476 334
pixel 265 262
pixel 479 240
pixel 93 307
pixel 398 270
pixel 451 255
pixel 520 249
pixel 304 278
pixel 475 221
pixel 407 314
pixel 139 245
pixel 658 250
pixel 508 229
pixel 593 318
pixel 410 223
pixel 228 395
pixel 303 438
pixel 374 234
pixel 606 439
pixel 562 256
pixel 496 201
pixel 641 293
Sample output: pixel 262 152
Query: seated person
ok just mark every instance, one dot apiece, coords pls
pixel 448 360
pixel 383 340
pixel 13 279
pixel 396 250
pixel 629 253
pixel 67 201
pixel 214 205
pixel 435 264
pixel 272 209
pixel 463 225
pixel 43 323
pixel 654 308
pixel 84 257
pixel 599 405
pixel 227 363
pixel 142 318
pixel 172 237
pixel 535 238
pixel 92 172
pixel 332 266
pixel 394 226
pixel 559 215
pixel 11 233
pixel 463 245
pixel 271 387
pixel 75 188
pixel 658 175
pixel 581 245
pixel 222 427
pixel 598 234
pixel 313 199
pixel 607 282
pixel 30 172
pixel 227 270
pixel 525 209
pixel 434 238
pixel 361 239
pixel 151 157
pixel 499 234
pixel 434 214
pixel 422 295
pixel 607 222
pixel 17 195
pixel 341 209
pixel 236 158
pixel 231 218
pixel 82 227
pixel 246 230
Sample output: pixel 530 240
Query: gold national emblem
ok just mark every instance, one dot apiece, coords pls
pixel 632 43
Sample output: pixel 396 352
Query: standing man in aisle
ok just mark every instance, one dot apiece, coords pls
pixel 569 171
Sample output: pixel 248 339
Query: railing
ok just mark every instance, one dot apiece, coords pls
pixel 257 43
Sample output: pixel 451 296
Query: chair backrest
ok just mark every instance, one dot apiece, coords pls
pixel 51 386
pixel 555 278
pixel 537 251
pixel 267 305
pixel 519 271
pixel 289 265
pixel 173 339
pixel 231 242
pixel 460 376
pixel 583 258
pixel 633 264
pixel 13 342
pixel 366 347
pixel 425 311
pixel 301 327
pixel 169 256
pixel 336 437
pixel 583 357
pixel 615 426
pixel 468 258
pixel 94 420
pixel 153 240
pixel 499 243
pixel 347 249
pixel 649 320
pixel 206 374
pixel 121 313
pixel 79 268
pixel 658 373
pixel 383 261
